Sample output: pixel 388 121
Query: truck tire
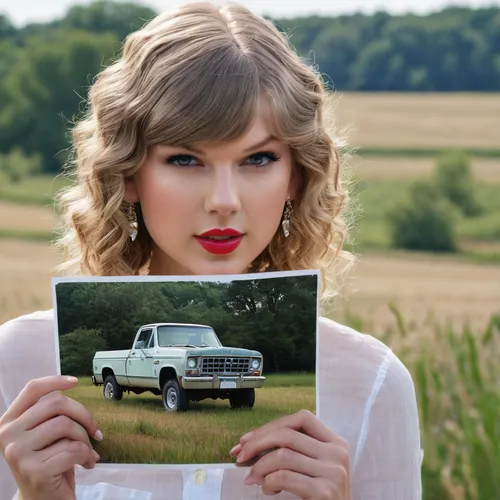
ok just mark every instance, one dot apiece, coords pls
pixel 242 398
pixel 175 398
pixel 111 389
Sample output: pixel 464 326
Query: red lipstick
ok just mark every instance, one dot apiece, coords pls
pixel 220 241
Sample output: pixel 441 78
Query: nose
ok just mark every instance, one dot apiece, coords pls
pixel 223 197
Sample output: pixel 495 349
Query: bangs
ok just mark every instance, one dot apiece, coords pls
pixel 212 98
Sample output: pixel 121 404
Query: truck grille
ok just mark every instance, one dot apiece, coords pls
pixel 224 365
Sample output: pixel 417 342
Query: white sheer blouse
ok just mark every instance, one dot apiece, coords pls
pixel 366 396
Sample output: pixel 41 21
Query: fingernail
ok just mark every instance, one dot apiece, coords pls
pixel 246 437
pixel 234 449
pixel 240 459
pixel 98 435
pixel 96 456
pixel 73 380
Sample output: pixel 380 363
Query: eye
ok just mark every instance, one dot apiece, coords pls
pixel 180 160
pixel 263 158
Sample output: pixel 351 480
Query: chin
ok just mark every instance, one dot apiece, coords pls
pixel 226 266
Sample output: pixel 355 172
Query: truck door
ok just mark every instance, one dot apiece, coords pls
pixel 140 360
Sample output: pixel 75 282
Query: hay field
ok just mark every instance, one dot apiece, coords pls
pixel 419 120
pixel 421 286
pixel 25 270
pixel 16 216
pixel 425 288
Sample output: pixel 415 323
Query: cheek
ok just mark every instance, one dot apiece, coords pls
pixel 268 200
pixel 163 194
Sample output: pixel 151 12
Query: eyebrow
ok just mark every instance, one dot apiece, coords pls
pixel 265 141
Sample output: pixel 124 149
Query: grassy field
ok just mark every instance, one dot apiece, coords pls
pixel 138 430
pixel 376 197
pixel 37 190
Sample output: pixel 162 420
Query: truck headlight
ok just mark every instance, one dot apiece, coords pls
pixel 191 363
pixel 255 364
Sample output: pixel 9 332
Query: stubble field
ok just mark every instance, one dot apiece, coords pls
pixel 420 120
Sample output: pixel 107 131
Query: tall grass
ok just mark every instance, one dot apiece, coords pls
pixel 457 379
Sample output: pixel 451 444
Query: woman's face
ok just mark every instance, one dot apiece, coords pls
pixel 188 195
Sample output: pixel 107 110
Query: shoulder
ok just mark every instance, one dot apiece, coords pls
pixel 341 341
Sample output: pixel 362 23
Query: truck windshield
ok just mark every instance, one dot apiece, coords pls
pixel 187 336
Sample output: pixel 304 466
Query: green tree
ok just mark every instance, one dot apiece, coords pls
pixel 103 16
pixel 455 181
pixel 426 221
pixel 43 91
pixel 7 29
pixel 77 349
pixel 276 317
pixel 17 166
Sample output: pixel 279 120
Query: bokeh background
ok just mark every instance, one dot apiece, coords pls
pixel 417 94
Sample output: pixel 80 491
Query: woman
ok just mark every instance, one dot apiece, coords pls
pixel 210 120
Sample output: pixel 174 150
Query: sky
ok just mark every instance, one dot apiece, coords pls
pixel 23 11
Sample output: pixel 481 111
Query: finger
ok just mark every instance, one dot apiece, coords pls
pixel 236 450
pixel 298 485
pixel 34 390
pixel 287 459
pixel 53 430
pixel 51 462
pixel 284 437
pixel 52 406
pixel 64 455
pixel 303 421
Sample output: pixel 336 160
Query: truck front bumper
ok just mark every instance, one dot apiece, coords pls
pixel 223 382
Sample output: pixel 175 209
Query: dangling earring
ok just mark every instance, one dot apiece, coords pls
pixel 287 215
pixel 132 222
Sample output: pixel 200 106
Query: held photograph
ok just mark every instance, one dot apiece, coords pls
pixel 176 369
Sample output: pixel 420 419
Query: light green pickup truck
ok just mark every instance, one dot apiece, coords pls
pixel 182 363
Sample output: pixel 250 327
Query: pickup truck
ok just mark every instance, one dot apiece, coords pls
pixel 182 363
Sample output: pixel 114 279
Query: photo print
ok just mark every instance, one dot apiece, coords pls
pixel 176 370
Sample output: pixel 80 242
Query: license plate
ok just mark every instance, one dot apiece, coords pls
pixel 228 384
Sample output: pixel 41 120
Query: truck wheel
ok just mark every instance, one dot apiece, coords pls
pixel 111 389
pixel 174 397
pixel 242 398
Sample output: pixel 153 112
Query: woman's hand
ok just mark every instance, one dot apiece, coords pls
pixel 307 459
pixel 43 435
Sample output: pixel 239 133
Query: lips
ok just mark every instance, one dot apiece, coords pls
pixel 220 241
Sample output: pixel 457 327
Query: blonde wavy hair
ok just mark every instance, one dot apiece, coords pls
pixel 195 74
